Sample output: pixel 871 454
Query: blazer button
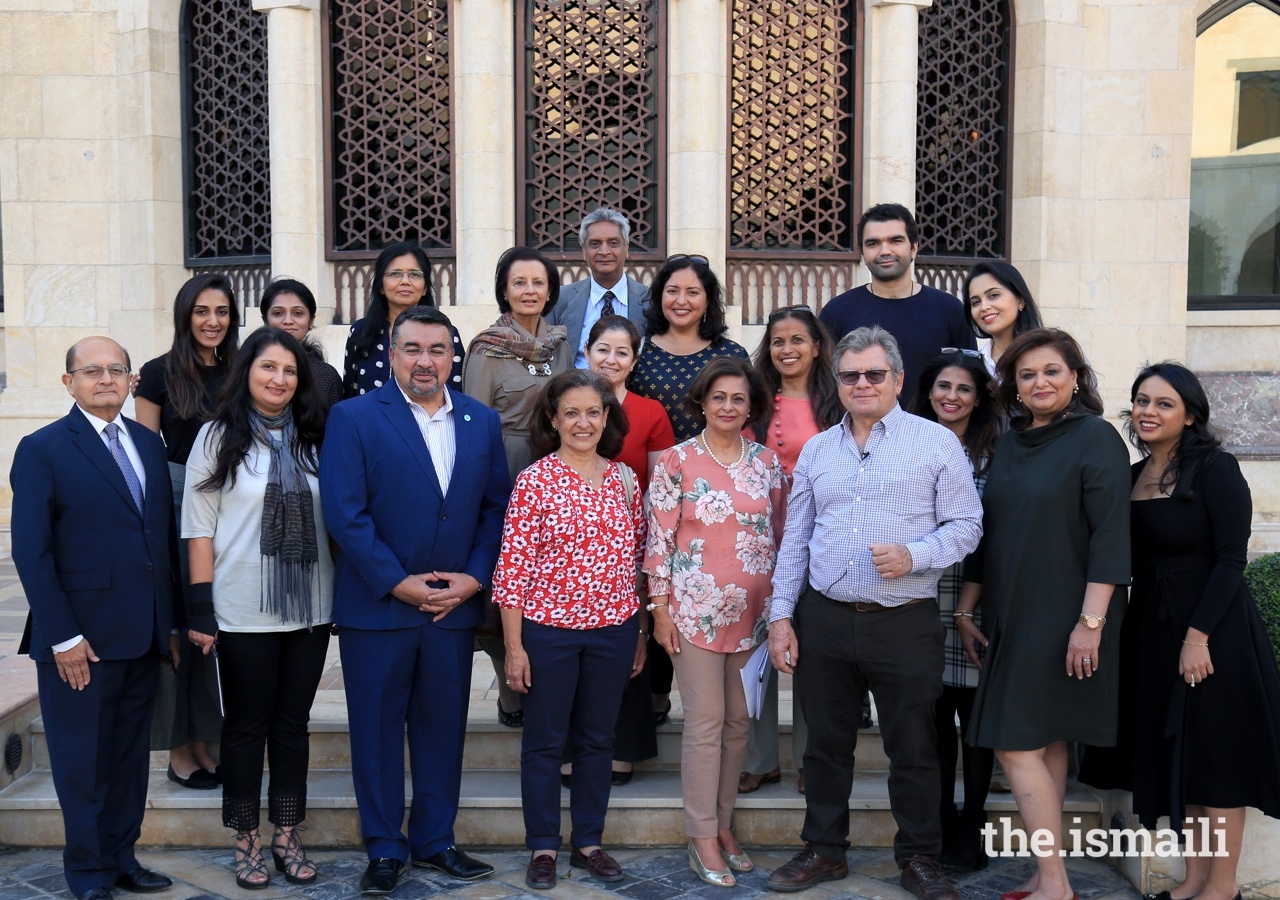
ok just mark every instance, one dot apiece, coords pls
pixel 150 567
pixel 443 517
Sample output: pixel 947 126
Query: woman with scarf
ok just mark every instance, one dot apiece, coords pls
pixel 506 367
pixel 261 594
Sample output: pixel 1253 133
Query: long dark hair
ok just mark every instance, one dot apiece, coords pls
pixel 233 418
pixel 713 326
pixel 378 310
pixel 1087 400
pixel 983 430
pixel 543 437
pixel 1013 282
pixel 1198 442
pixel 824 396
pixel 183 365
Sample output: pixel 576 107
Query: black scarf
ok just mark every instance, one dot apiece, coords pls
pixel 290 576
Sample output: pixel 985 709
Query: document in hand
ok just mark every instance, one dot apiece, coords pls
pixel 755 678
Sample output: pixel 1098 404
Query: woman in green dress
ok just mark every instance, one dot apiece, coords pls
pixel 1050 572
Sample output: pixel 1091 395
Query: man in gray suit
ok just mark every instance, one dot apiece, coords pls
pixel 605 235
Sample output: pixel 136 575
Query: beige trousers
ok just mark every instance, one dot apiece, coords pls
pixel 715 735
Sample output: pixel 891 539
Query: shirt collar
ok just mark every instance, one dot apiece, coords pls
pixel 446 409
pixel 888 422
pixel 619 293
pixel 100 425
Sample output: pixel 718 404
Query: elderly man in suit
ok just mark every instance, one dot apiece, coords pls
pixel 95 547
pixel 605 236
pixel 414 484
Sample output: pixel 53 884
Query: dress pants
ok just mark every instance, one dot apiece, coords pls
pixel 714 744
pixel 98 754
pixel 978 762
pixel 897 654
pixel 578 677
pixel 420 677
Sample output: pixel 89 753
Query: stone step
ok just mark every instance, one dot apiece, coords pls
pixel 647 812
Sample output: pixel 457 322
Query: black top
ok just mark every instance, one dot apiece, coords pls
pixel 372 370
pixel 328 381
pixel 922 324
pixel 179 434
pixel 666 377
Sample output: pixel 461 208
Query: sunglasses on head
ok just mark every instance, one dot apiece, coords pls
pixel 692 257
pixel 873 376
pixel 974 353
pixel 783 310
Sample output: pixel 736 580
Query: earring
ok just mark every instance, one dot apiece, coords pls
pixel 1076 388
pixel 1019 399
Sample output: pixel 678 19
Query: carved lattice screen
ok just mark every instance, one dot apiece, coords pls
pixel 962 130
pixel 227 164
pixel 590 107
pixel 391 111
pixel 791 125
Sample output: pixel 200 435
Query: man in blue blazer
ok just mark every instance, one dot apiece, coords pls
pixel 96 549
pixel 605 235
pixel 414 483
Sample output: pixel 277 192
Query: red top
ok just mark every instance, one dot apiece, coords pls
pixel 570 553
pixel 650 432
pixel 791 426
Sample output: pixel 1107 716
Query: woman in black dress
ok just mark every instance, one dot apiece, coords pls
pixel 1206 692
pixel 289 305
pixel 1050 572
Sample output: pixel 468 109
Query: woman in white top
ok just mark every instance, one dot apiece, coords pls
pixel 1000 308
pixel 262 588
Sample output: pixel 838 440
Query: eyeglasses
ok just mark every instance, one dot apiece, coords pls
pixel 973 353
pixel 401 274
pixel 95 372
pixel 413 351
pixel 783 310
pixel 873 376
pixel 694 257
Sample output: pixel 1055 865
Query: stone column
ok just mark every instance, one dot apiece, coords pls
pixel 889 129
pixel 296 136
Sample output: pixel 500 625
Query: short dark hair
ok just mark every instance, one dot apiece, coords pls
pixel 1087 400
pixel 890 212
pixel 713 326
pixel 730 367
pixel 287 286
pixel 422 315
pixel 524 254
pixel 543 437
pixel 1013 282
pixel 615 323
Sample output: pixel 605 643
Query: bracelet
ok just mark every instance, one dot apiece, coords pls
pixel 652 606
pixel 962 614
pixel 643 633
pixel 1193 644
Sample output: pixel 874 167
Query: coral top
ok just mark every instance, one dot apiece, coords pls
pixel 649 432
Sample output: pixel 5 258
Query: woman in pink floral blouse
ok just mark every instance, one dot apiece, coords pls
pixel 711 550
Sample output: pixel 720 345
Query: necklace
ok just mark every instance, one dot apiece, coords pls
pixel 590 476
pixel 742 454
pixel 872 291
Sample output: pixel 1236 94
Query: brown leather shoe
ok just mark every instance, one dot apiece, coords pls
pixel 600 864
pixel 805 870
pixel 541 874
pixel 922 876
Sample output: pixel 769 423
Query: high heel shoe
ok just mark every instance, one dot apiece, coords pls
pixel 250 863
pixel 738 862
pixel 290 858
pixel 719 878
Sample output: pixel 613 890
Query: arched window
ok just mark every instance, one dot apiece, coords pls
pixel 964 106
pixel 390 158
pixel 1233 257
pixel 792 159
pixel 226 160
pixel 589 103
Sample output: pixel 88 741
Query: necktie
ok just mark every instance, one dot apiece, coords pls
pixel 607 309
pixel 122 460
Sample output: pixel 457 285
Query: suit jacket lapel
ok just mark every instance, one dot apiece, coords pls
pixel 89 441
pixel 152 472
pixel 398 413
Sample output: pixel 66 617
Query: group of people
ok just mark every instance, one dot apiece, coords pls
pixel 604 493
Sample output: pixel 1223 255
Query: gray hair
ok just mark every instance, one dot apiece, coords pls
pixel 605 214
pixel 863 339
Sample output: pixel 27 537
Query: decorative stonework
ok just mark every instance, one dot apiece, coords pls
pixel 1246 411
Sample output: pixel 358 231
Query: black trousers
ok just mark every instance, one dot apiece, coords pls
pixel 979 762
pixel 269 682
pixel 897 654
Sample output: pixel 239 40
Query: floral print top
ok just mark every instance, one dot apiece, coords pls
pixel 712 543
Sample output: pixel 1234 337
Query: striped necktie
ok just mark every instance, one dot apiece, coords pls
pixel 607 309
pixel 122 460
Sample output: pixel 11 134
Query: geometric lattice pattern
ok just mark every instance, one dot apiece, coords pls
pixel 962 129
pixel 390 101
pixel 228 200
pixel 791 125
pixel 590 119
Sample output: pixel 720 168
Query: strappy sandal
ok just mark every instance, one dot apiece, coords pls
pixel 250 863
pixel 290 858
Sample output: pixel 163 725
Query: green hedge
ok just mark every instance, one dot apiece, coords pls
pixel 1263 576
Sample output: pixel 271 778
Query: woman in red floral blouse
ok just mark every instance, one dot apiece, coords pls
pixel 566 585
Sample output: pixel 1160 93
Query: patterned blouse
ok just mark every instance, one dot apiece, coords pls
pixel 665 377
pixel 570 552
pixel 372 369
pixel 957 669
pixel 712 543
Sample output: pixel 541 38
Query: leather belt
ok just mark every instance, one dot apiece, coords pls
pixel 879 607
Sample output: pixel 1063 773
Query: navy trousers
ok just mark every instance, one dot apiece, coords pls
pixel 578 679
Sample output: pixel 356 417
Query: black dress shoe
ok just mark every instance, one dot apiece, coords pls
pixel 456 864
pixel 618 779
pixel 381 877
pixel 143 881
pixel 199 780
pixel 510 719
pixel 96 894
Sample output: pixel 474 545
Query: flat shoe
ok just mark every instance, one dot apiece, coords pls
pixel 660 716
pixel 749 783
pixel 600 864
pixel 618 779
pixel 199 780
pixel 381 877
pixel 510 719
pixel 143 881
pixel 541 873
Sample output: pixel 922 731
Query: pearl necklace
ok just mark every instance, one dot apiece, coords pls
pixel 742 454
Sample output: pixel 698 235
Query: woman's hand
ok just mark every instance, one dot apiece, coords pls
pixel 1082 651
pixel 664 630
pixel 1194 662
pixel 971 637
pixel 204 641
pixel 642 654
pixel 519 676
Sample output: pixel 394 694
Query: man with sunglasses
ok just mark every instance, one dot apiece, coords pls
pixel 922 319
pixel 880 505
pixel 96 548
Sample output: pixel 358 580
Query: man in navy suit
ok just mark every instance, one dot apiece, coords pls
pixel 95 546
pixel 414 484
pixel 605 236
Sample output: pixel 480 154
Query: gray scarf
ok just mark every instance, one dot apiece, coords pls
pixel 290 577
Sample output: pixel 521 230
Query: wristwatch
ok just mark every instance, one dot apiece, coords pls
pixel 1093 623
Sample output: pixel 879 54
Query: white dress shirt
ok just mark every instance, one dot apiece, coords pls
pixel 595 305
pixel 437 432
